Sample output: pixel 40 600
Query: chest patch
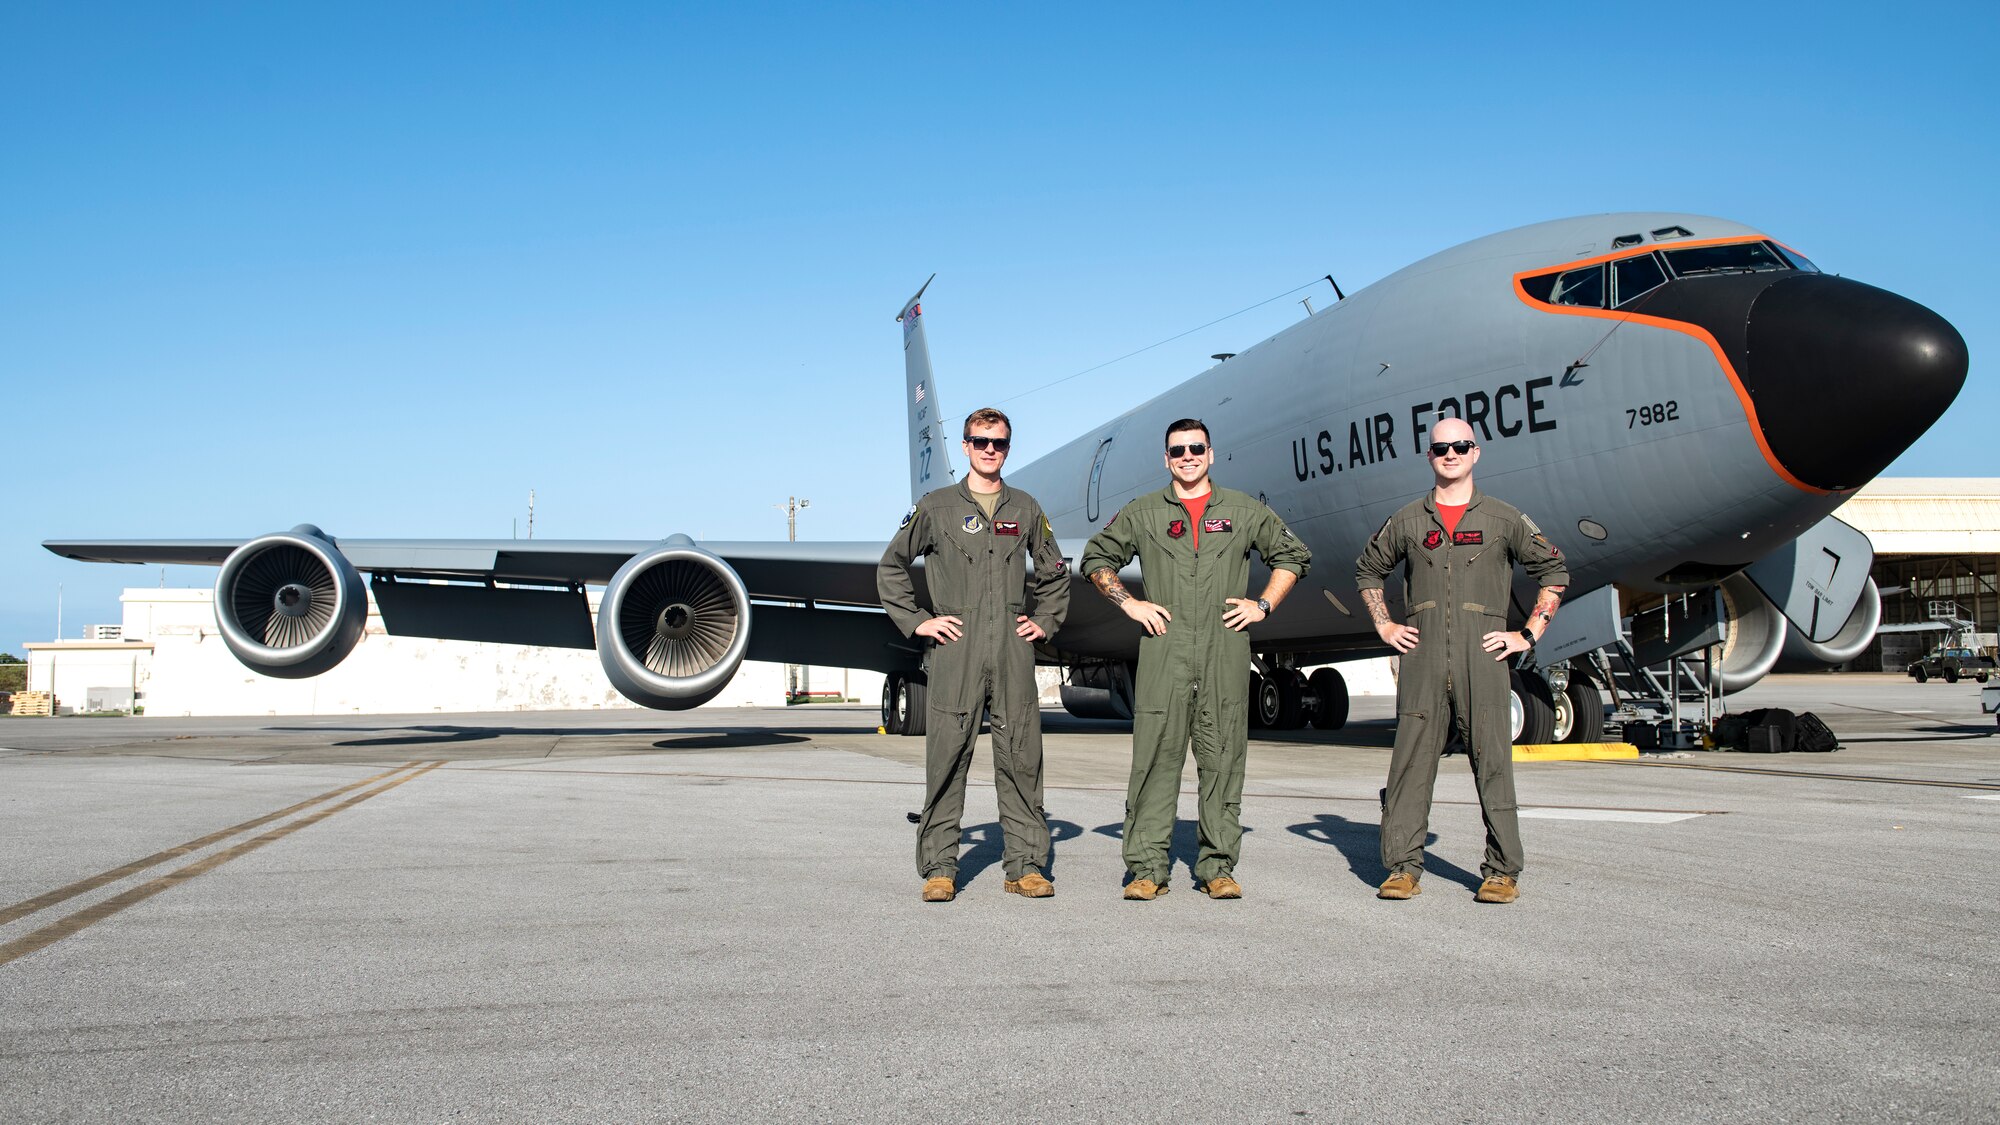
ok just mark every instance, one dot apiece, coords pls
pixel 1433 539
pixel 1211 526
pixel 974 525
pixel 1006 527
pixel 1467 538
pixel 1176 529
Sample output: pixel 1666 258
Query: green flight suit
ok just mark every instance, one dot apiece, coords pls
pixel 976 569
pixel 1194 680
pixel 1455 589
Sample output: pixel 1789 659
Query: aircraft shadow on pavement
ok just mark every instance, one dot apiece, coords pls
pixel 1360 843
pixel 1957 732
pixel 987 843
pixel 711 738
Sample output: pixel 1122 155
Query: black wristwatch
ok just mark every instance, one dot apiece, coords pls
pixel 1529 636
pixel 1265 606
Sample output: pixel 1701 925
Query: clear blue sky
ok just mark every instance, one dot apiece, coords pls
pixel 387 268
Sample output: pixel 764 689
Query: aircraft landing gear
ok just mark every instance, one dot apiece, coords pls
pixel 1534 708
pixel 1278 698
pixel 1329 692
pixel 904 701
pixel 1286 699
pixel 1579 712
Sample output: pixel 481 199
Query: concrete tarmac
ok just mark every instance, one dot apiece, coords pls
pixel 714 916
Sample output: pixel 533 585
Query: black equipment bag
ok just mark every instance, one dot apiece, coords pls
pixel 1814 736
pixel 1773 730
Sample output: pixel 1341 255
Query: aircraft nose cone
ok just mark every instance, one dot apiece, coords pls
pixel 1846 376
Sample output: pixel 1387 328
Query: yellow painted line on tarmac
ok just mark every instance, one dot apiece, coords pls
pixel 1576 752
pixel 84 886
pixel 91 915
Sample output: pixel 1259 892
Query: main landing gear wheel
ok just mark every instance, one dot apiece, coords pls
pixel 1533 706
pixel 903 702
pixel 1579 713
pixel 1291 698
pixel 1263 708
pixel 1329 689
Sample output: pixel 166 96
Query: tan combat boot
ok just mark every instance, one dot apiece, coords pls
pixel 939 889
pixel 1222 886
pixel 1498 888
pixel 1031 885
pixel 1400 884
pixel 1144 890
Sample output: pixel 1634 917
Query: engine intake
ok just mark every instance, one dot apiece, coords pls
pixel 1757 632
pixel 673 626
pixel 290 605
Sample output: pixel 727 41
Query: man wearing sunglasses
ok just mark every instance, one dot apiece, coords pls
pixel 1193 541
pixel 1457 547
pixel 985 617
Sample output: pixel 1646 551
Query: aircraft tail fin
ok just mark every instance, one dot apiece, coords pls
pixel 930 457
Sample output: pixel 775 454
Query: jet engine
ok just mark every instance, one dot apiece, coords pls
pixel 1852 640
pixel 673 626
pixel 290 605
pixel 1757 632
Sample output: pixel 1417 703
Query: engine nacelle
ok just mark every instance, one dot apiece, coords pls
pixel 1852 640
pixel 673 626
pixel 1757 632
pixel 290 605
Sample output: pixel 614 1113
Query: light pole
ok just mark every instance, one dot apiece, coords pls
pixel 797 677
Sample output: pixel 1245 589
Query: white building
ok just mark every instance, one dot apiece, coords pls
pixel 173 658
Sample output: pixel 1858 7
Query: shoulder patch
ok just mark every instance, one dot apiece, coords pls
pixel 1048 532
pixel 1532 529
pixel 1114 517
pixel 1383 530
pixel 907 517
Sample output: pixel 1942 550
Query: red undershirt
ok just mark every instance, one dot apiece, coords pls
pixel 1448 516
pixel 1195 507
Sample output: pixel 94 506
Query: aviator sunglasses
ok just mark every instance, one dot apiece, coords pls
pixel 1197 448
pixel 1000 444
pixel 1439 448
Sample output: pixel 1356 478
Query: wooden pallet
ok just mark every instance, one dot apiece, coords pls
pixel 33 703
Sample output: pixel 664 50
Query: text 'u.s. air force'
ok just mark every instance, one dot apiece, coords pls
pixel 1508 411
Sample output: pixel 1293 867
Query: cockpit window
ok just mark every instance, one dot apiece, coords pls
pixel 1734 257
pixel 1799 261
pixel 1584 288
pixel 1633 278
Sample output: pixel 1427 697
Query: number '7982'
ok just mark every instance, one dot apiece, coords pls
pixel 1652 415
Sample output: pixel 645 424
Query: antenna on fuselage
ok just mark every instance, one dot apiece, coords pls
pixel 1337 294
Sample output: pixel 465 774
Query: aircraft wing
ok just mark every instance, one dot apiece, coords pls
pixel 832 572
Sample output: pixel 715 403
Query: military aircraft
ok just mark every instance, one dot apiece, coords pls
pixel 1679 401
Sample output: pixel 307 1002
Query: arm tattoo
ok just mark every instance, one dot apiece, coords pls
pixel 1106 581
pixel 1378 612
pixel 1546 603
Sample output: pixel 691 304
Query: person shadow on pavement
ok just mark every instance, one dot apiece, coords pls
pixel 1183 849
pixel 1360 843
pixel 985 845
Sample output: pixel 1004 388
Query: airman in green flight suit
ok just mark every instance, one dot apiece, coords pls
pixel 1193 541
pixel 975 537
pixel 1457 547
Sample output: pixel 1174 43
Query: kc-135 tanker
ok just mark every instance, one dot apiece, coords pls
pixel 1679 401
